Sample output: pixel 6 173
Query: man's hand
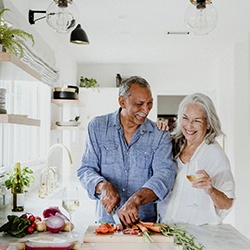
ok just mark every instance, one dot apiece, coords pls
pixel 110 198
pixel 129 211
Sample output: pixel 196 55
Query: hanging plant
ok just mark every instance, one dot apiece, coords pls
pixel 8 37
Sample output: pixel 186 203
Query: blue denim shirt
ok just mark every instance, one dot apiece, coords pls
pixel 146 162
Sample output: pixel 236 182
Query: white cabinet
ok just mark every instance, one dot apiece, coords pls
pixel 97 101
pixel 93 102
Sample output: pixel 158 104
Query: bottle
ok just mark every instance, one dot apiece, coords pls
pixel 17 191
pixel 118 80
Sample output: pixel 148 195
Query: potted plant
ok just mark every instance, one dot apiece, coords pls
pixel 26 175
pixel 88 82
pixel 8 37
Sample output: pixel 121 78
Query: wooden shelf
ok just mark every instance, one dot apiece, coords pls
pixel 12 68
pixel 55 127
pixel 19 119
pixel 61 102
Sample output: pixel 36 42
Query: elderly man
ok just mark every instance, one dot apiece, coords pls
pixel 127 163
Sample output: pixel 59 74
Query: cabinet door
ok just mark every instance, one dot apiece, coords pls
pixel 97 101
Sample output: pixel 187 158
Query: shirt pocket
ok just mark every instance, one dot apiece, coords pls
pixel 109 152
pixel 144 157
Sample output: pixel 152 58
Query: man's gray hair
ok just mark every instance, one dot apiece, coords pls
pixel 128 82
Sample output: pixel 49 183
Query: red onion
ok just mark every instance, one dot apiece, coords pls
pixel 50 211
pixel 62 215
pixel 55 223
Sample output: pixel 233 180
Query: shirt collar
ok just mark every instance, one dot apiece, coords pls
pixel 147 126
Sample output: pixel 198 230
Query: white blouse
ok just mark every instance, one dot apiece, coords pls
pixel 179 206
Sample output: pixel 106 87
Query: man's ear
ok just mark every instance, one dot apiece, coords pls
pixel 122 101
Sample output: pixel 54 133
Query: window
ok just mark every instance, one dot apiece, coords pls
pixel 22 143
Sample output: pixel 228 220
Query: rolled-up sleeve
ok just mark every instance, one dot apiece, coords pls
pixel 163 167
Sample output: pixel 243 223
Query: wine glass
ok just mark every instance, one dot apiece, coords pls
pixel 70 203
pixel 192 168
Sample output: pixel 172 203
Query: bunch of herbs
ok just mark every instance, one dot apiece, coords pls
pixel 26 176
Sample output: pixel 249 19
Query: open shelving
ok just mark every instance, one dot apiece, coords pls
pixel 13 68
pixel 19 119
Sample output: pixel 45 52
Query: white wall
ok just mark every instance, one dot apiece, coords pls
pixel 241 120
pixel 226 81
pixel 165 79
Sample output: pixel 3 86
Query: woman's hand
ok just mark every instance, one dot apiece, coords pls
pixel 204 182
pixel 162 125
pixel 220 200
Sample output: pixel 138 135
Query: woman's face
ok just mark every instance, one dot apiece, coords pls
pixel 194 123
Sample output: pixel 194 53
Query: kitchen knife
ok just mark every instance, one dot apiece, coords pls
pixel 116 218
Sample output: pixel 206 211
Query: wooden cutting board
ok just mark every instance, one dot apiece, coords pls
pixel 90 237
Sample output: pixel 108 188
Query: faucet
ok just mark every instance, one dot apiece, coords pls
pixel 53 148
pixel 48 174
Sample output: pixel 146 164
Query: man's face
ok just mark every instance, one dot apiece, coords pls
pixel 138 105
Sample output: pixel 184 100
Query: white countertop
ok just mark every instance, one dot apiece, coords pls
pixel 220 237
pixel 213 237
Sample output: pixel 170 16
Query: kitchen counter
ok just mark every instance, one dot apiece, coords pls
pixel 213 237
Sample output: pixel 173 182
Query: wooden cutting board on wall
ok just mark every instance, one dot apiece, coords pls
pixel 91 237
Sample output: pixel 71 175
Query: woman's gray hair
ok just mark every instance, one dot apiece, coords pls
pixel 127 83
pixel 213 120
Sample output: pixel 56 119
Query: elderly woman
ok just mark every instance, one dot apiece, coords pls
pixel 208 199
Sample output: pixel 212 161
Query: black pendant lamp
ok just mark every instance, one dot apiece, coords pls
pixel 79 36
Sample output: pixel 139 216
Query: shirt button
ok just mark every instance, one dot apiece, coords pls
pixel 123 189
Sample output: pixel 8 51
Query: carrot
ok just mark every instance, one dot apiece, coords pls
pixel 145 232
pixel 145 224
pixel 142 227
pixel 152 226
pixel 156 229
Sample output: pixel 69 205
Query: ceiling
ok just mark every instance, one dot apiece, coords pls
pixel 135 31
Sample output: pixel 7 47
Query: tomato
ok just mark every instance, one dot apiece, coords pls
pixel 33 224
pixel 30 229
pixel 105 229
pixel 38 218
pixel 24 215
pixel 32 218
pixel 110 228
pixel 102 229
